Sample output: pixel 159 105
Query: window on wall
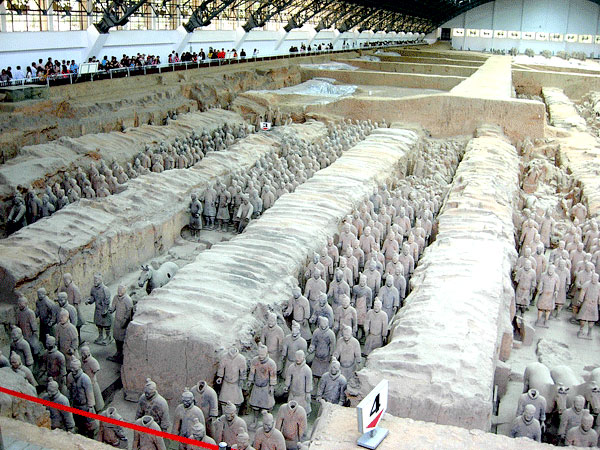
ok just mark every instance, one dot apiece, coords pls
pixel 72 15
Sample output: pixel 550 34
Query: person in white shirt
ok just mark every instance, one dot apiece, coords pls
pixel 18 74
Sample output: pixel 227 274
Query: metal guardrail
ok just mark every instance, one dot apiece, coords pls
pixel 122 72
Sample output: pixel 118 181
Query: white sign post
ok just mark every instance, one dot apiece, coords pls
pixel 370 411
pixel 265 126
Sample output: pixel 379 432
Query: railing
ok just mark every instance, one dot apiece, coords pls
pixel 122 72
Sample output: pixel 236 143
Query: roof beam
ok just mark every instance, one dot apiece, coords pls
pixel 336 14
pixel 356 19
pixel 264 12
pixel 117 14
pixel 208 10
pixel 308 11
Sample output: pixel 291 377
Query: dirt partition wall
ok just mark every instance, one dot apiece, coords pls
pixel 427 59
pixel 575 85
pixel 221 299
pixel 579 151
pixel 113 235
pixel 443 115
pixel 36 164
pixel 370 78
pixel 444 343
pixel 399 67
pixel 336 429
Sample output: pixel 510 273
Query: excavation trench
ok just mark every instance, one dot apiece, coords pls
pixel 113 235
pixel 444 343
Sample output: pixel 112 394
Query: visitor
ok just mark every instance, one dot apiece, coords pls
pixel 19 75
pixel 74 68
pixel 242 54
pixel 28 73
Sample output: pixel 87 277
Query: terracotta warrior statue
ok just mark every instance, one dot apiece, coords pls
pixel 263 379
pixel 292 422
pixel 54 365
pixel 59 419
pixel 152 404
pixel 323 346
pixel 548 288
pixel 573 416
pixel 122 307
pixel 66 337
pixel 186 415
pixel 583 435
pixel 291 344
pixel 81 395
pixel 332 386
pixel 111 434
pixel 298 381
pixel 525 279
pixel 347 352
pixel 268 437
pixel 229 427
pixel 74 298
pixel 195 215
pixel 231 375
pixel 526 425
pixel 91 367
pixel 100 295
pixel 376 328
pixel 198 433
pixel 272 336
pixel 206 399
pixel 588 311
pixel 299 308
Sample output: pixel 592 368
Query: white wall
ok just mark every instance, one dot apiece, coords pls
pixel 551 16
pixel 24 48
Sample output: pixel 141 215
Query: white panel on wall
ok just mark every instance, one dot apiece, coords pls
pixel 597 40
pixel 499 34
pixel 514 34
pixel 527 35
pixel 471 32
pixel 486 33
pixel 459 32
pixel 536 24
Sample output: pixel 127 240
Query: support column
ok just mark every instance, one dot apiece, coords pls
pixel 2 17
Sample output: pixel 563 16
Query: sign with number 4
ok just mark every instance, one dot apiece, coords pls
pixel 370 411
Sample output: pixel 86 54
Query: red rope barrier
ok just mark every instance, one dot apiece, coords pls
pixel 121 423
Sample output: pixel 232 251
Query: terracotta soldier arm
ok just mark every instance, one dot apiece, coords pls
pixel 342 394
pixel 113 306
pixel 176 424
pixel 320 388
pixel 136 441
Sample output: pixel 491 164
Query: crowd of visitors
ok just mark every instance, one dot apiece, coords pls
pixel 55 68
pixel 39 70
pixel 304 48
